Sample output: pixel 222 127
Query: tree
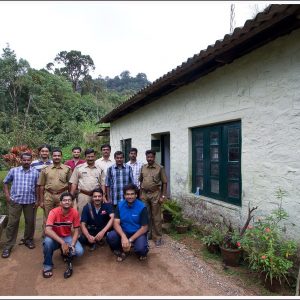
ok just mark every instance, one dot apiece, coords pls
pixel 76 66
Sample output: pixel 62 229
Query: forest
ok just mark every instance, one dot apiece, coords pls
pixel 60 104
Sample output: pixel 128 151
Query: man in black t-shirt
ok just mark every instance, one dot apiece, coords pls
pixel 96 219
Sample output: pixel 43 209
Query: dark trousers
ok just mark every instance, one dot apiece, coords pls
pixel 14 215
pixel 140 245
pixel 92 231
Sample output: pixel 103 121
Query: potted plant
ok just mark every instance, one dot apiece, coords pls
pixel 180 223
pixel 267 251
pixel 231 246
pixel 169 209
pixel 214 239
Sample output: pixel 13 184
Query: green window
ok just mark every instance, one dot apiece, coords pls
pixel 125 146
pixel 216 160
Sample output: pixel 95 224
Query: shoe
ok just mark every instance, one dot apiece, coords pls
pixel 5 253
pixel 92 247
pixel 29 244
pixel 68 273
pixel 158 243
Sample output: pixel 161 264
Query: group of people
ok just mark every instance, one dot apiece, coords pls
pixel 86 202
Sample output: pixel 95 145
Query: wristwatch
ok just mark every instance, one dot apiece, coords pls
pixel 130 241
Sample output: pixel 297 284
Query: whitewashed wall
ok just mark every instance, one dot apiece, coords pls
pixel 262 89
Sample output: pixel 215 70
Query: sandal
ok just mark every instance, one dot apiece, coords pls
pixel 5 253
pixel 122 256
pixel 29 244
pixel 142 258
pixel 47 273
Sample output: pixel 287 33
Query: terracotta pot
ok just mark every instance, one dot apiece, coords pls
pixel 167 216
pixel 274 287
pixel 213 248
pixel 231 257
pixel 181 228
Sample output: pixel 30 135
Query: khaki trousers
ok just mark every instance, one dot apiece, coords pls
pixel 50 201
pixel 151 199
pixel 82 200
pixel 14 215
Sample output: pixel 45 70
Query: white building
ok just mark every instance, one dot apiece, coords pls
pixel 226 123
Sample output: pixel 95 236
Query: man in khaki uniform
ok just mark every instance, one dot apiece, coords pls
pixel 153 192
pixel 53 181
pixel 86 178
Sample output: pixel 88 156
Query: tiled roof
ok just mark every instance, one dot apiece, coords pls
pixel 276 20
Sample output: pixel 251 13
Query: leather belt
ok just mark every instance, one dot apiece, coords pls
pixel 151 191
pixel 88 193
pixel 57 192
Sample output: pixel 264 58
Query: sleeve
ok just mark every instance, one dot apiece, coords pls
pixel 74 178
pixel 9 177
pixel 51 218
pixel 144 217
pixel 42 177
pixel 69 173
pixel 163 175
pixel 108 175
pixel 117 213
pixel 76 219
pixel 109 208
pixel 102 177
pixel 84 214
pixel 130 175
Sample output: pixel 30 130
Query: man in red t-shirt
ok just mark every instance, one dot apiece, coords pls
pixel 58 233
pixel 75 161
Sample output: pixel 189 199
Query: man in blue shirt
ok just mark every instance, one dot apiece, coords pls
pixel 21 197
pixel 44 158
pixel 96 219
pixel 118 175
pixel 130 226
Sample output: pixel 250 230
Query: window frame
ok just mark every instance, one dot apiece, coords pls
pixel 223 163
pixel 125 148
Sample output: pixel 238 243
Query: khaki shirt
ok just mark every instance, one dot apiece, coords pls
pixel 152 177
pixel 55 178
pixel 87 178
pixel 104 164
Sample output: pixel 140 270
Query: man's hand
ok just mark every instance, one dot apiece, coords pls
pixel 126 245
pixel 99 236
pixel 65 248
pixel 91 239
pixel 41 204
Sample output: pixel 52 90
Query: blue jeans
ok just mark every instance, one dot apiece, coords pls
pixel 140 245
pixel 51 245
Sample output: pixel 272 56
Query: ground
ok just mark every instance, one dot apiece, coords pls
pixel 176 269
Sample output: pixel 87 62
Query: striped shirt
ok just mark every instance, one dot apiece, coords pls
pixel 136 170
pixel 23 186
pixel 116 179
pixel 39 164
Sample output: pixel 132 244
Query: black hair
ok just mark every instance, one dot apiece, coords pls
pixel 89 151
pixel 25 154
pixel 130 186
pixel 118 153
pixel 97 190
pixel 64 194
pixel 106 146
pixel 56 150
pixel 150 152
pixel 133 150
pixel 76 148
pixel 44 146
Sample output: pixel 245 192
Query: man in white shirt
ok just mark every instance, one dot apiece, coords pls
pixel 135 165
pixel 104 162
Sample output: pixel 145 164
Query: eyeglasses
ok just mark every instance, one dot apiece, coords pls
pixel 66 200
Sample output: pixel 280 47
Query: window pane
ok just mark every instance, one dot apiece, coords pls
pixel 199 182
pixel 233 153
pixel 214 153
pixel 233 136
pixel 199 153
pixel 199 168
pixel 214 169
pixel 234 171
pixel 214 186
pixel 199 139
pixel 214 138
pixel 233 190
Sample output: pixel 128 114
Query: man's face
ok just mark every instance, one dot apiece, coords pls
pixel 56 157
pixel 119 159
pixel 132 155
pixel 66 202
pixel 106 152
pixel 97 198
pixel 90 158
pixel 26 161
pixel 76 153
pixel 130 196
pixel 150 158
pixel 44 153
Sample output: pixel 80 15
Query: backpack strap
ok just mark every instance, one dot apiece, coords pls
pixel 91 211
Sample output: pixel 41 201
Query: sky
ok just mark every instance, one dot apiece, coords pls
pixel 151 37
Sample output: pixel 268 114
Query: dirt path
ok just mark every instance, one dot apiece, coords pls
pixel 171 270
